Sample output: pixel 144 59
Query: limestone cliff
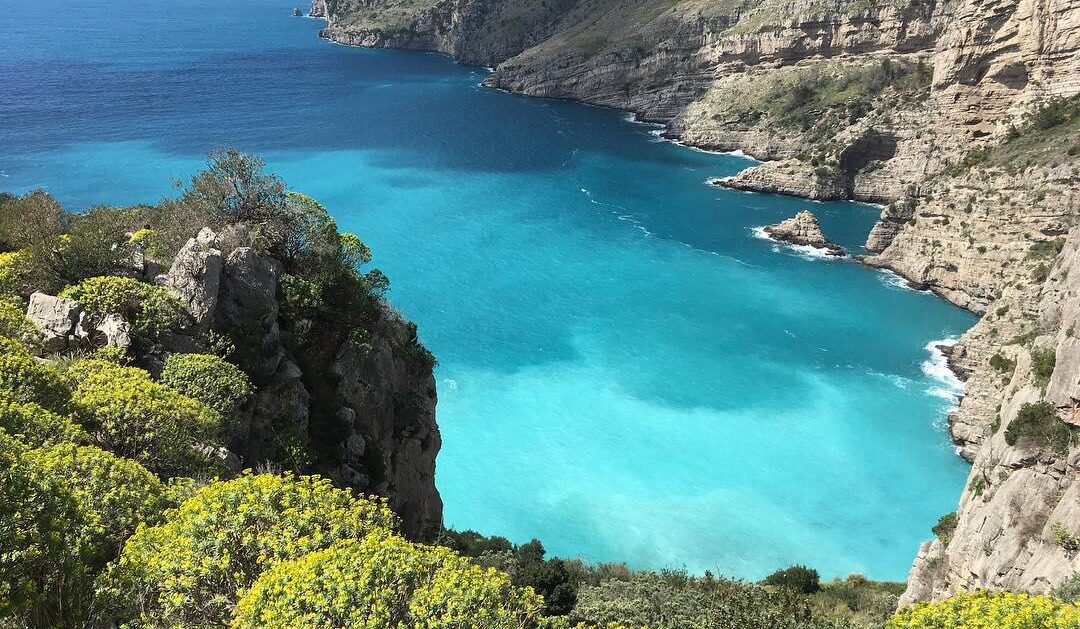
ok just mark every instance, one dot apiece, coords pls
pixel 923 105
pixel 362 405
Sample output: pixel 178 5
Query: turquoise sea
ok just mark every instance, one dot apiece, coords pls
pixel 626 372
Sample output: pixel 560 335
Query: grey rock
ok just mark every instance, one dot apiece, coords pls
pixel 56 318
pixel 803 229
pixel 195 276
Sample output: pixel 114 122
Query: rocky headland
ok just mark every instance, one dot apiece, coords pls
pixel 960 116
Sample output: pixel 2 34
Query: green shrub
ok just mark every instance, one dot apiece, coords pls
pixel 989 610
pixel 14 323
pixel 13 273
pixel 114 496
pixel 798 578
pixel 208 379
pixel 41 540
pixel 1044 249
pixel 1069 589
pixel 129 414
pixel 23 378
pixel 35 426
pixel 188 570
pixel 1002 364
pixel 1065 538
pixel 1042 365
pixel 150 309
pixel 1038 425
pixel 945 527
pixel 383 582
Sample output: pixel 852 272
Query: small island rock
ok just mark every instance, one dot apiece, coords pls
pixel 803 229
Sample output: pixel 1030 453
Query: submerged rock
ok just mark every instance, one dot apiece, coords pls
pixel 803 229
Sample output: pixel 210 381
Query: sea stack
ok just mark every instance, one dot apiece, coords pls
pixel 803 229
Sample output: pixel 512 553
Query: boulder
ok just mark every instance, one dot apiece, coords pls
pixel 56 318
pixel 195 276
pixel 803 229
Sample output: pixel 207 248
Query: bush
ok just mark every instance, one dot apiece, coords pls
pixel 674 600
pixel 383 582
pixel 114 495
pixel 208 379
pixel 129 414
pixel 1069 589
pixel 14 323
pixel 40 545
pixel 1002 364
pixel 1042 365
pixel 187 571
pixel 24 379
pixel 13 273
pixel 1038 425
pixel 150 309
pixel 798 578
pixel 985 610
pixel 35 426
pixel 945 527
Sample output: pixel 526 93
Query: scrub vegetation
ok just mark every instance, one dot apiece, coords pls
pixel 117 508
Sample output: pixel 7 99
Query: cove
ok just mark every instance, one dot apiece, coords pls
pixel 626 372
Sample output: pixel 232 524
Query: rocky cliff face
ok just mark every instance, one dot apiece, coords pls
pixel 364 407
pixel 908 103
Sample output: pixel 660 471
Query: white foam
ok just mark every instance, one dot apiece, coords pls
pixel 806 252
pixel 895 280
pixel 936 367
pixel 449 384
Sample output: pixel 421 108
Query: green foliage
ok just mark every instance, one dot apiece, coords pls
pixel 60 248
pixel 14 273
pixel 40 539
pixel 798 578
pixel 1037 425
pixel 1002 364
pixel 674 600
pixel 945 527
pixel 35 426
pixel 151 309
pixel 858 600
pixel 216 383
pixel 188 570
pixel 989 610
pixel 1069 589
pixel 23 378
pixel 383 581
pixel 1046 249
pixel 113 497
pixel 1042 365
pixel 14 323
pixel 129 414
pixel 1065 538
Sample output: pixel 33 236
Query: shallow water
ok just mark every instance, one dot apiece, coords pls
pixel 626 372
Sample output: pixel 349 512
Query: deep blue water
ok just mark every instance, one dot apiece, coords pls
pixel 626 372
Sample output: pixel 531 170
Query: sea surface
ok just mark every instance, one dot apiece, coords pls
pixel 625 370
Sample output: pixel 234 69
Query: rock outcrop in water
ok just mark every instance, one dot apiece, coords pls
pixel 803 229
pixel 923 106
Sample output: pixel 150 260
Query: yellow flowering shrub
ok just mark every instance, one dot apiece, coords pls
pixel 15 324
pixel 111 496
pixel 26 379
pixel 188 570
pixel 36 426
pixel 150 309
pixel 989 610
pixel 40 545
pixel 13 273
pixel 384 581
pixel 129 414
pixel 213 381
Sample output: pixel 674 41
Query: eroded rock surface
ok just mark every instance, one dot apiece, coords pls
pixel 803 229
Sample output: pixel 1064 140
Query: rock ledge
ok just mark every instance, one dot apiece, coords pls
pixel 803 229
